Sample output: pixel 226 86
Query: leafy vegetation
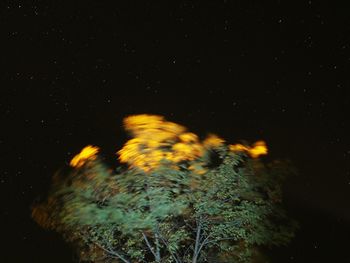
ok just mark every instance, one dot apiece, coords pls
pixel 171 213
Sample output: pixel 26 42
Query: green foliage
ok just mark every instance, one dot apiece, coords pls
pixel 170 215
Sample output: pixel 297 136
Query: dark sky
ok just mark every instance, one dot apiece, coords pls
pixel 277 71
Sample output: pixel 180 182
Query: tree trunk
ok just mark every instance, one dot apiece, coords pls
pixel 196 246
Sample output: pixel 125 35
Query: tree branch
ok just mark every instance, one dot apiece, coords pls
pixel 113 253
pixel 221 239
pixel 205 242
pixel 184 255
pixel 174 255
pixel 198 237
pixel 149 245
pixel 157 247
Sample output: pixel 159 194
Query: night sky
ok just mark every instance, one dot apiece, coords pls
pixel 245 70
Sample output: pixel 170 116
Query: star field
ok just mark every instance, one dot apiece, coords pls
pixel 242 69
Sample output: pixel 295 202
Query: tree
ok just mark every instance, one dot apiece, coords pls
pixel 198 201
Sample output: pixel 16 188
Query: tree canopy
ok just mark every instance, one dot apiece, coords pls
pixel 178 199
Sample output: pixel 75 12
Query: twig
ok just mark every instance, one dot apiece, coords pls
pixel 114 253
pixel 175 256
pixel 198 237
pixel 149 245
pixel 157 247
pixel 202 245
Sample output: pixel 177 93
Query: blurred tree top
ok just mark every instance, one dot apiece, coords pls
pixel 177 200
